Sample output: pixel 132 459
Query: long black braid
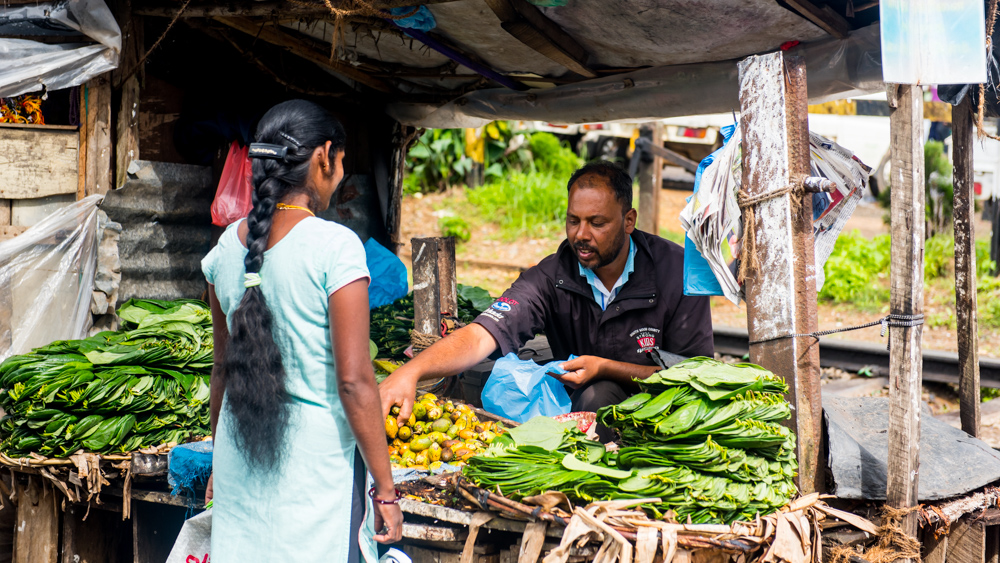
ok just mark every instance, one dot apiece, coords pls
pixel 255 375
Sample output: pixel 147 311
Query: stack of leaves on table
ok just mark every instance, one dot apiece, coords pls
pixel 703 437
pixel 117 391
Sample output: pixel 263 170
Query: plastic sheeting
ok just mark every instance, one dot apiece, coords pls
pixel 26 66
pixel 46 279
pixel 836 68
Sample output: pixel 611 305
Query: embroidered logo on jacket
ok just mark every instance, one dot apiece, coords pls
pixel 646 338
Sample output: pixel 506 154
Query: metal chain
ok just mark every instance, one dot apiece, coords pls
pixel 886 322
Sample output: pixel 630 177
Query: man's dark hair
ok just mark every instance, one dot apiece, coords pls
pixel 616 176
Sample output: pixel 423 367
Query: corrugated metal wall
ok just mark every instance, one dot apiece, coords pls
pixel 165 213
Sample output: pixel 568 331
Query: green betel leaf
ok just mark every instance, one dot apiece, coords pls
pixel 571 462
pixel 542 432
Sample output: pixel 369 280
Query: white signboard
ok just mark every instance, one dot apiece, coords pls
pixel 933 41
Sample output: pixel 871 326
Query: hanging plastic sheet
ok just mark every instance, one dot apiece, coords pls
pixel 27 66
pixel 47 278
pixel 837 68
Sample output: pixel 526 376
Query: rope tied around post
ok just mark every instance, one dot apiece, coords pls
pixel 748 249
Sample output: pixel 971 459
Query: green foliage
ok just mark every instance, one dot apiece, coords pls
pixel 673 236
pixel 939 255
pixel 987 393
pixel 437 161
pixel 984 266
pixel 531 202
pixel 857 271
pixel 455 227
pixel 551 156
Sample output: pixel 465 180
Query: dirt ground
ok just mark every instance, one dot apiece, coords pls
pixel 493 263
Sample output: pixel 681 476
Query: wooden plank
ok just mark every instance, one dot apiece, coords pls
pixel 781 296
pixel 41 127
pixel 36 538
pixel 154 530
pixel 967 542
pixel 98 104
pixel 934 547
pixel 402 137
pixel 127 127
pixel 650 171
pixel 4 212
pixel 425 555
pixel 98 539
pixel 81 187
pixel 302 48
pixel 447 276
pixel 824 18
pixel 965 268
pixel 532 542
pixel 427 532
pixel 37 163
pixel 992 544
pixel 907 298
pixel 528 24
pixel 271 10
pixel 426 287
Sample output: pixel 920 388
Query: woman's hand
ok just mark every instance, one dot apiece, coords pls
pixel 209 492
pixel 388 523
pixel 400 389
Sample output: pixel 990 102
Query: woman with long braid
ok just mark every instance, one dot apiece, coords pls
pixel 295 408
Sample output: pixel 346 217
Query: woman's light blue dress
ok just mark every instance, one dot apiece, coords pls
pixel 302 510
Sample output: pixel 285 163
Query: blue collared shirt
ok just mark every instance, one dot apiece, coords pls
pixel 603 295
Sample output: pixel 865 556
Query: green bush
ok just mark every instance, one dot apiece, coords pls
pixel 551 156
pixel 522 204
pixel 455 227
pixel 437 161
pixel 857 270
pixel 939 255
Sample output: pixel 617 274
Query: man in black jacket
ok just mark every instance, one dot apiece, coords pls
pixel 609 295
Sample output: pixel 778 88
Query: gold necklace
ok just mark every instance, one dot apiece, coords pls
pixel 287 206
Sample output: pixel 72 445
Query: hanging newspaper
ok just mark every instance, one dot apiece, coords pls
pixel 712 216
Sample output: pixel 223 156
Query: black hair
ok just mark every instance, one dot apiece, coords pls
pixel 255 375
pixel 617 177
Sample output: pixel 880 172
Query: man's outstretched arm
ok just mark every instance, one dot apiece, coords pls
pixel 449 356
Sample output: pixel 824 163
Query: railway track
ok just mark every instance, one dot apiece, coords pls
pixel 853 355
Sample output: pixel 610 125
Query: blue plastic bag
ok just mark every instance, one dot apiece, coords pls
pixel 519 389
pixel 388 273
pixel 698 276
pixel 422 20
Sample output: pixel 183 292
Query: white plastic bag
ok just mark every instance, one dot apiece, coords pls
pixel 195 540
pixel 47 279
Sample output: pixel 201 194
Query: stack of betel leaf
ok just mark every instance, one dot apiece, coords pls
pixel 114 392
pixel 704 437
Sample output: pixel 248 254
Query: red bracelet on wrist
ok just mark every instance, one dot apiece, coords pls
pixel 371 493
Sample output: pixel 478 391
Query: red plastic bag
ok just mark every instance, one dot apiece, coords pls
pixel 233 200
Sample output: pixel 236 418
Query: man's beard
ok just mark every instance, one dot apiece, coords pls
pixel 603 259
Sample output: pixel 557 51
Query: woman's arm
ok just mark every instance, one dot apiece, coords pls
pixel 220 336
pixel 217 383
pixel 359 395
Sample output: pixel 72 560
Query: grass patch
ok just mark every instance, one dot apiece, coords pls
pixel 523 204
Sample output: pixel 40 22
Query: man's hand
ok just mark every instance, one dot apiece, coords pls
pixel 400 389
pixel 582 370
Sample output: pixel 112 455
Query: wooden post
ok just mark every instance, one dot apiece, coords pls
pixel 426 286
pixel 36 537
pixel 907 285
pixel 781 294
pixel 650 182
pixel 447 278
pixel 965 267
pixel 97 178
pixel 402 137
pixel 127 129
